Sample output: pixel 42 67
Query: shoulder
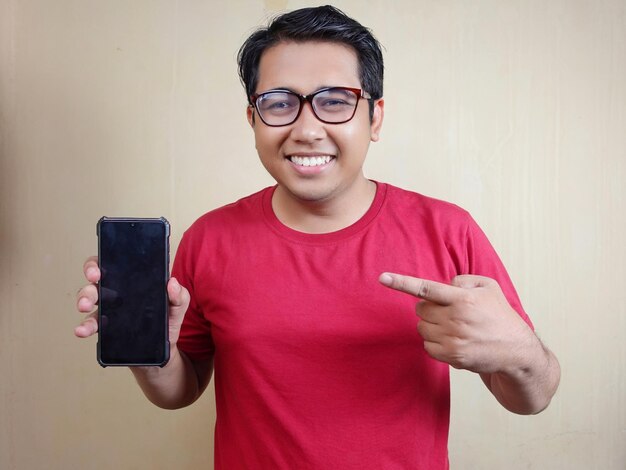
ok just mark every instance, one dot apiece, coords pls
pixel 230 217
pixel 243 208
pixel 426 208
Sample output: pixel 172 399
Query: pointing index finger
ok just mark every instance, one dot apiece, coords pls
pixel 437 292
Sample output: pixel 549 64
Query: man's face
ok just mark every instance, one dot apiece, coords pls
pixel 288 152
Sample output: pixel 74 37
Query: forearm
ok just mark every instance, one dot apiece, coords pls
pixel 176 385
pixel 527 387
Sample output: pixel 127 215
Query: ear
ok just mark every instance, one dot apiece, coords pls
pixel 377 119
pixel 250 115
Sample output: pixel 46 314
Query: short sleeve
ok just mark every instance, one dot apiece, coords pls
pixel 483 260
pixel 195 335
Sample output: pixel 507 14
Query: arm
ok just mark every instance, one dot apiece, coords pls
pixel 177 384
pixel 181 381
pixel 528 387
pixel 470 325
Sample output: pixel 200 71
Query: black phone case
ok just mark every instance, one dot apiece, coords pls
pixel 166 250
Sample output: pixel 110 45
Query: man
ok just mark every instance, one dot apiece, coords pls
pixel 290 295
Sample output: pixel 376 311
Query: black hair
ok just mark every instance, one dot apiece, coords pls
pixel 325 23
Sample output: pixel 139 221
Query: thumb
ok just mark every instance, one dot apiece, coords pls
pixel 178 296
pixel 470 281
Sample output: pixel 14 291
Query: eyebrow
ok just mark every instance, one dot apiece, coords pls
pixel 286 88
pixel 281 88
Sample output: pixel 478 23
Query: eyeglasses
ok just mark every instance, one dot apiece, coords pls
pixel 334 105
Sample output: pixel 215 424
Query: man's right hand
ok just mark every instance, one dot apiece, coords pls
pixel 181 381
pixel 87 300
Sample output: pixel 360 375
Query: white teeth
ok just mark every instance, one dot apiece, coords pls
pixel 310 161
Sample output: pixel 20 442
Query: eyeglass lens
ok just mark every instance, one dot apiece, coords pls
pixel 334 105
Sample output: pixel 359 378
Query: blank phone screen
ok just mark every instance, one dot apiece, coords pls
pixel 133 258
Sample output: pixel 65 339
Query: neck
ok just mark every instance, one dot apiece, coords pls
pixel 330 214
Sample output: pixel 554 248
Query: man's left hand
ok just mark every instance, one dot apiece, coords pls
pixel 468 323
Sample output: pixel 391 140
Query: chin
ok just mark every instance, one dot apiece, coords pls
pixel 311 195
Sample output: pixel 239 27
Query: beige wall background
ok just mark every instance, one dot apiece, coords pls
pixel 515 110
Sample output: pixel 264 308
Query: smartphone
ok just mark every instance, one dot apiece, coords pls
pixel 133 255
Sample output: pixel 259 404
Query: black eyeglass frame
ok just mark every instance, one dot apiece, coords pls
pixel 303 98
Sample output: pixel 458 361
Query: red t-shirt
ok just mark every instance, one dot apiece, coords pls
pixel 317 365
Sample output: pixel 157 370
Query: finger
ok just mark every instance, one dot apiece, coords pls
pixel 178 295
pixel 428 331
pixel 470 281
pixel 91 269
pixel 88 326
pixel 448 351
pixel 432 291
pixel 87 298
pixel 436 351
pixel 430 311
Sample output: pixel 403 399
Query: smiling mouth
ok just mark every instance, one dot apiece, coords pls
pixel 310 161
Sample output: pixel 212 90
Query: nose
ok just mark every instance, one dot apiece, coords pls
pixel 307 127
